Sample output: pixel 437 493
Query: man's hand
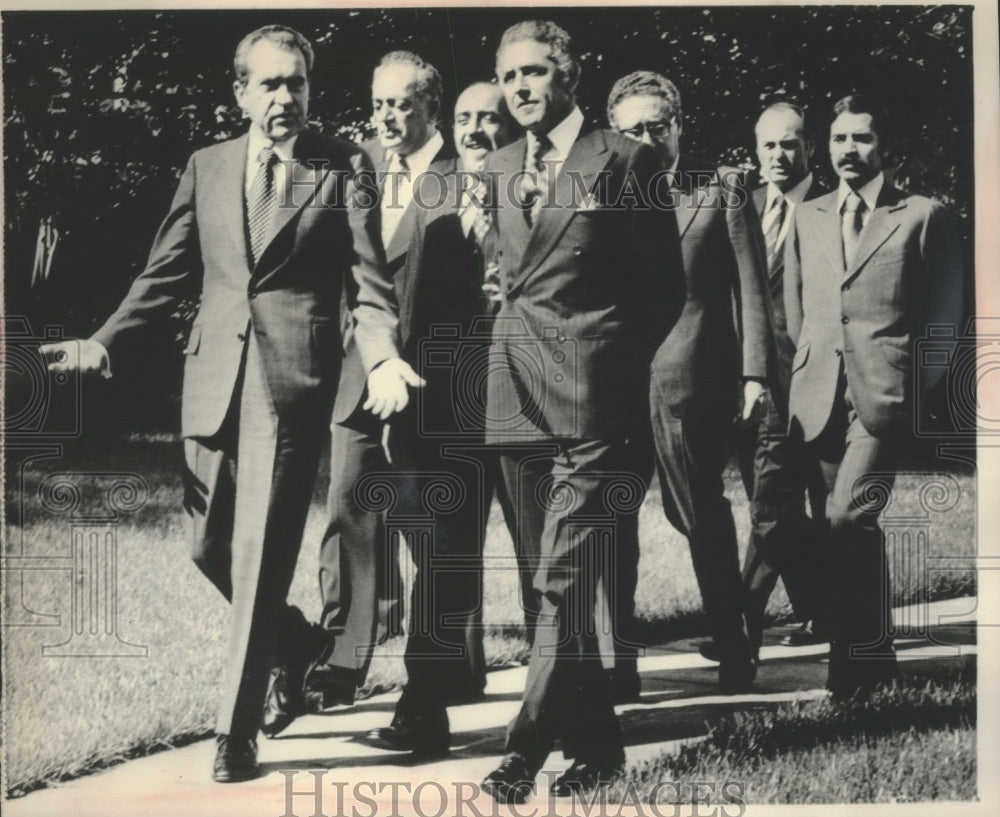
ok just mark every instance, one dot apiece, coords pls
pixel 387 382
pixel 491 283
pixel 83 356
pixel 753 390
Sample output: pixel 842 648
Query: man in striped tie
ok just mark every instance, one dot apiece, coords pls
pixel 776 471
pixel 266 231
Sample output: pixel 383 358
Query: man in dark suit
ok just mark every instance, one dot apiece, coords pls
pixel 719 342
pixel 269 230
pixel 437 445
pixel 776 470
pixel 591 279
pixel 359 575
pixel 868 267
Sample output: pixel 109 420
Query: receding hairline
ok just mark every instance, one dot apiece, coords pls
pixel 783 109
pixel 492 86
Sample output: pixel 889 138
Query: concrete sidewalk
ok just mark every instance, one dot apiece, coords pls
pixel 319 766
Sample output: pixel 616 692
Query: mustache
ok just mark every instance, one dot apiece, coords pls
pixel 477 142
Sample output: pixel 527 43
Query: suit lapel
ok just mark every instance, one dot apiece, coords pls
pixel 882 223
pixel 303 180
pixel 230 192
pixel 689 203
pixel 507 211
pixel 587 158
pixel 829 236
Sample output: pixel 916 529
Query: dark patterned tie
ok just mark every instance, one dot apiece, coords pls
pixel 481 225
pixel 261 202
pixel 779 209
pixel 534 183
pixel 851 225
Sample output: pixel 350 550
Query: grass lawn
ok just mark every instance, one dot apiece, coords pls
pixel 64 716
pixel 913 742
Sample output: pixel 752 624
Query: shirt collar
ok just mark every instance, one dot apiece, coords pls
pixel 285 151
pixel 869 192
pixel 795 196
pixel 418 161
pixel 563 135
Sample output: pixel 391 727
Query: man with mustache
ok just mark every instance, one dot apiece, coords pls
pixel 868 268
pixel 717 349
pixel 359 575
pixel 438 443
pixel 267 230
pixel 775 468
pixel 591 278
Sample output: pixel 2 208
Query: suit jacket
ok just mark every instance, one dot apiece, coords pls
pixel 323 245
pixel 906 274
pixel 444 321
pixel 354 372
pixel 782 348
pixel 723 330
pixel 590 290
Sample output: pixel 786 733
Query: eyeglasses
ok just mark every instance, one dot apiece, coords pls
pixel 654 129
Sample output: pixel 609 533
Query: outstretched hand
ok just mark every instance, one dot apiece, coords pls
pixel 83 356
pixel 387 387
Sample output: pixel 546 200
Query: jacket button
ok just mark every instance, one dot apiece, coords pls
pixel 577 251
pixel 844 319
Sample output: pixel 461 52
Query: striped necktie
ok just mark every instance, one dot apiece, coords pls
pixel 261 202
pixel 772 234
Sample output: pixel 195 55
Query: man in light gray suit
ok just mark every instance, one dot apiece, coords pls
pixel 868 268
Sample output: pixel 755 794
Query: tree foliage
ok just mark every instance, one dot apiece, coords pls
pixel 103 108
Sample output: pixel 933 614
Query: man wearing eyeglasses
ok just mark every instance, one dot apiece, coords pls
pixel 698 371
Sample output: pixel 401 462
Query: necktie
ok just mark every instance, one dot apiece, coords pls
pixel 534 183
pixel 261 202
pixel 475 219
pixel 397 190
pixel 851 225
pixel 772 232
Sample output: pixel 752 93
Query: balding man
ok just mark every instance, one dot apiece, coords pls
pixel 443 313
pixel 359 575
pixel 776 470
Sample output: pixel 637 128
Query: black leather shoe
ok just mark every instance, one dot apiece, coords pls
pixel 511 781
pixel 583 775
pixel 327 685
pixel 425 734
pixel 807 634
pixel 284 703
pixel 235 759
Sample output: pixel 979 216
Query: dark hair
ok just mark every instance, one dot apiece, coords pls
pixel 645 83
pixel 556 38
pixel 864 103
pixel 287 38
